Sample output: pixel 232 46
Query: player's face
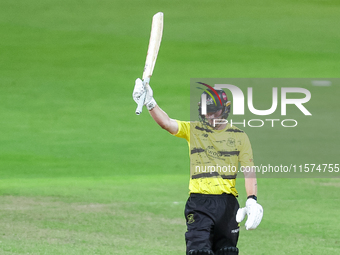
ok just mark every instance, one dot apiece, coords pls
pixel 210 116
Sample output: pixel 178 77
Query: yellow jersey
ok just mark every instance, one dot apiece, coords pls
pixel 215 156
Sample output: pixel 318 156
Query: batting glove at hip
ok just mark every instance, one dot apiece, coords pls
pixel 254 211
pixel 138 91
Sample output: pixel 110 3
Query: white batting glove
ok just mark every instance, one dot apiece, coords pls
pixel 138 91
pixel 254 212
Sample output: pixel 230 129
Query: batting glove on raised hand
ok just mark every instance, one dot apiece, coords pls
pixel 254 212
pixel 138 91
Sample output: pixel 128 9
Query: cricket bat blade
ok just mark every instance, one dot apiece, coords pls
pixel 151 57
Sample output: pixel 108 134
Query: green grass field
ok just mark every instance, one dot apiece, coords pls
pixel 80 173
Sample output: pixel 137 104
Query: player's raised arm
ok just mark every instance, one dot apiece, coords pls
pixel 156 112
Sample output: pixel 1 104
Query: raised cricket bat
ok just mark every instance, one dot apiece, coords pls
pixel 154 44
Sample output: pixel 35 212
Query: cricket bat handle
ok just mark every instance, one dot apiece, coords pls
pixel 141 102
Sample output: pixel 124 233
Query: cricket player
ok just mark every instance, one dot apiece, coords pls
pixel 216 148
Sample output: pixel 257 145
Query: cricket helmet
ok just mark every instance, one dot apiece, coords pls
pixel 216 99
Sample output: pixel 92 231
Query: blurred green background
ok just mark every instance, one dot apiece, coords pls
pixel 80 173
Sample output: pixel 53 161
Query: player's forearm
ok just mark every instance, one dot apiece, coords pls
pixel 164 120
pixel 251 186
pixel 156 112
pixel 250 182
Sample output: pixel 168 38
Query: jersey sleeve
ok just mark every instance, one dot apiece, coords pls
pixel 183 130
pixel 246 152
